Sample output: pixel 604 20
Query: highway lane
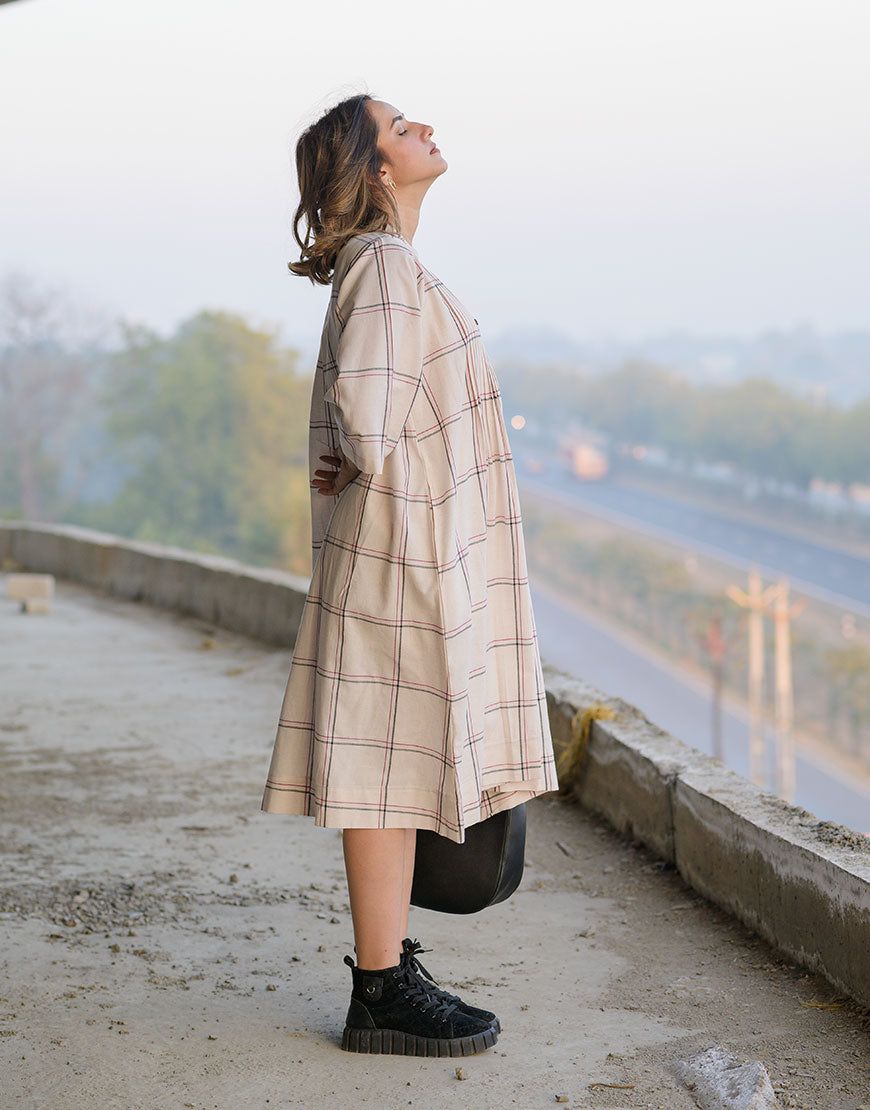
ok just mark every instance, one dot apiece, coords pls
pixel 678 703
pixel 815 568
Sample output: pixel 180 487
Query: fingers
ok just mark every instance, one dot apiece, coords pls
pixel 326 485
pixel 325 479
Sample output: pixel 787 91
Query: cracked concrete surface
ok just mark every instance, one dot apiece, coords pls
pixel 165 944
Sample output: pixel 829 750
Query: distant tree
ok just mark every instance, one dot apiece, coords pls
pixel 49 353
pixel 634 403
pixel 212 425
pixel 758 426
pixel 853 444
pixel 849 669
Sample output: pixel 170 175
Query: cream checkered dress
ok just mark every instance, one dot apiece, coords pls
pixel 415 696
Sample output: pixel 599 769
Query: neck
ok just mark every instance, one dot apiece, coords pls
pixel 409 217
pixel 408 201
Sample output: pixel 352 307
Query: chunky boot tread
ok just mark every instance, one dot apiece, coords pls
pixel 397 1043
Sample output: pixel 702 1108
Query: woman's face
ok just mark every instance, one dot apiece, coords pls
pixel 409 152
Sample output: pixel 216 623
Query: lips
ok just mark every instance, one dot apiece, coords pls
pixel 434 148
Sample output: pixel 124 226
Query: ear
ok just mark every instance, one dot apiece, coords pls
pixel 381 178
pixel 386 179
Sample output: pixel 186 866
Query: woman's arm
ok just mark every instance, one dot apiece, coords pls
pixel 379 358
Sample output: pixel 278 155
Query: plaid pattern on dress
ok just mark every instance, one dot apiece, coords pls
pixel 415 696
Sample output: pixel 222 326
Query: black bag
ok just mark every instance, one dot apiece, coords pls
pixel 468 877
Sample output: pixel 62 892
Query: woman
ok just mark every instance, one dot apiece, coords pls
pixel 415 697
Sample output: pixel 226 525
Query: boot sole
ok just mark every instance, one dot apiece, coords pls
pixel 394 1042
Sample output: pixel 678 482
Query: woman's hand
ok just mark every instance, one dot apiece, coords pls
pixel 331 482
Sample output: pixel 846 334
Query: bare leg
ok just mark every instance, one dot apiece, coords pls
pixel 410 851
pixel 375 860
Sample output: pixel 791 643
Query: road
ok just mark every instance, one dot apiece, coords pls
pixel 815 568
pixel 674 700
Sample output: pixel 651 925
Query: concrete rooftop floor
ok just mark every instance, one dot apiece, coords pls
pixel 165 944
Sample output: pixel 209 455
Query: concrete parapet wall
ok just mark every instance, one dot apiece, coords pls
pixel 264 604
pixel 802 883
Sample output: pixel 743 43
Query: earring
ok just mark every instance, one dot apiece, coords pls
pixel 391 183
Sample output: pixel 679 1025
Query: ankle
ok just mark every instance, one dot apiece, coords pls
pixel 379 956
pixel 376 970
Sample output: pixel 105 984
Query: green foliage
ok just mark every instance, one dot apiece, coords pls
pixel 851 444
pixel 641 573
pixel 212 426
pixel 755 425
pixel 758 426
pixel 639 403
pixel 849 679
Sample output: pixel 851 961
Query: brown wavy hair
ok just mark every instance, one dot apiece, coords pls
pixel 341 192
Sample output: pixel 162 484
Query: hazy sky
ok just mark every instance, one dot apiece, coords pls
pixel 615 166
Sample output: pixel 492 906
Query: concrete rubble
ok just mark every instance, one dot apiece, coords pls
pixel 719 1081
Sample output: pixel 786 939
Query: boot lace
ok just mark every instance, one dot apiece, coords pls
pixel 417 990
pixel 409 960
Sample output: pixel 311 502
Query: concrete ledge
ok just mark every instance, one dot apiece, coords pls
pixel 264 604
pixel 802 883
pixel 630 764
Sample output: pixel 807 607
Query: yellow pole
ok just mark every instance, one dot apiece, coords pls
pixel 783 614
pixel 756 602
pixel 756 679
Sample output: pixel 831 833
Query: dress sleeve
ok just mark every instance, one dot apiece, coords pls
pixel 379 360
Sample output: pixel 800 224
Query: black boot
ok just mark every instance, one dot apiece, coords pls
pixel 410 948
pixel 392 1012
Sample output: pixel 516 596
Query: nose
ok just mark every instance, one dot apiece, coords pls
pixel 428 131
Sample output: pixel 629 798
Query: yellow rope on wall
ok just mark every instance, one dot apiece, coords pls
pixel 571 758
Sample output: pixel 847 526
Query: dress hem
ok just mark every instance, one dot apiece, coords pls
pixel 348 817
